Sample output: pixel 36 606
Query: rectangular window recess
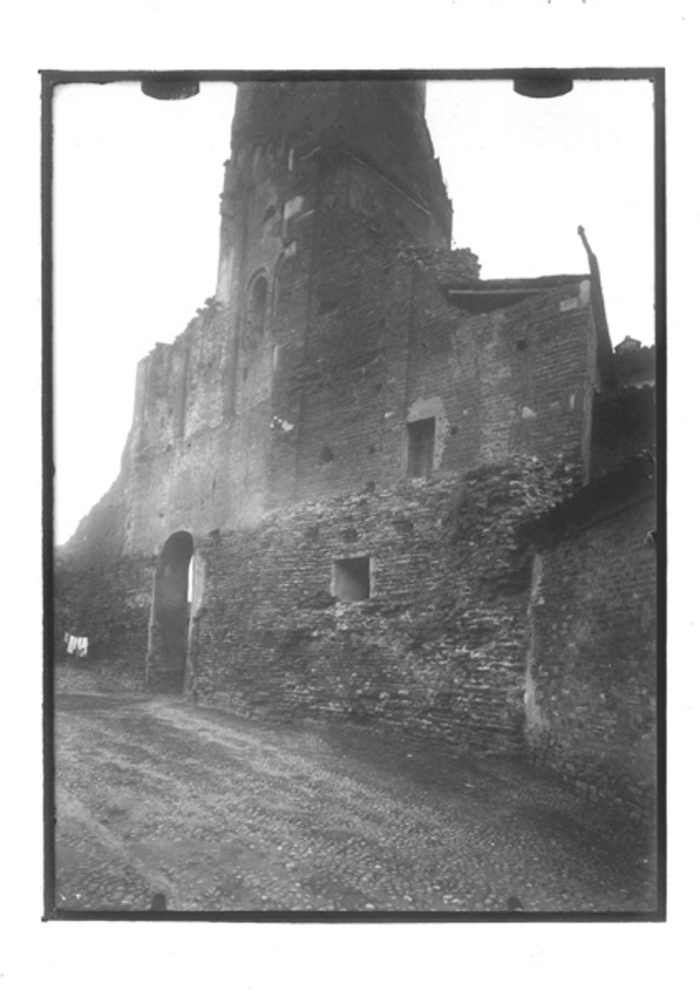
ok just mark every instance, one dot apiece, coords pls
pixel 351 579
pixel 420 448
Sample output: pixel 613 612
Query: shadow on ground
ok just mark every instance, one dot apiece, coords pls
pixel 221 814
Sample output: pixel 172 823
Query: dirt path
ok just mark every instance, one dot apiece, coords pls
pixel 222 814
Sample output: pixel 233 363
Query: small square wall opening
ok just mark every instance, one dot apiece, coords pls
pixel 420 448
pixel 351 579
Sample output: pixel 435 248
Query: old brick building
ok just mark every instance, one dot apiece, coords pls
pixel 366 484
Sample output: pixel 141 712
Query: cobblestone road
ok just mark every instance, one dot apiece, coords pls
pixel 221 814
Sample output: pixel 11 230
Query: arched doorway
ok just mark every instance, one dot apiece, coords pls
pixel 170 615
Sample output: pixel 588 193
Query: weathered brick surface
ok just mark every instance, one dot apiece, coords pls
pixel 357 337
pixel 456 643
pixel 512 381
pixel 438 648
pixel 281 445
pixel 592 671
pixel 324 411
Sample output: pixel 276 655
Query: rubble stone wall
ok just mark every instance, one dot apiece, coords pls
pixel 437 649
pixel 320 407
pixel 591 674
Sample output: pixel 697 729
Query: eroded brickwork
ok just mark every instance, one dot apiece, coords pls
pixel 358 440
pixel 330 332
pixel 437 649
pixel 591 677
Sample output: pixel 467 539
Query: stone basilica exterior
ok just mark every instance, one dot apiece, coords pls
pixel 365 484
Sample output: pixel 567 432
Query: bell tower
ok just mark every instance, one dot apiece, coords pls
pixel 358 146
pixel 327 181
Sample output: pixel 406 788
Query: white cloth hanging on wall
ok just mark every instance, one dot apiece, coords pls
pixel 75 645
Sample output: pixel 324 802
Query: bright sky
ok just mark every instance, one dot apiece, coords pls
pixel 136 213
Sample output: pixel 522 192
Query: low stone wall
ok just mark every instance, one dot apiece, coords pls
pixel 436 650
pixel 591 675
pixel 463 634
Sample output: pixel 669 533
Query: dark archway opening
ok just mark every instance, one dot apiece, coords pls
pixel 170 616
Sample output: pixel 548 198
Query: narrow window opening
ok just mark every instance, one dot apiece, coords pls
pixel 351 579
pixel 420 448
pixel 255 313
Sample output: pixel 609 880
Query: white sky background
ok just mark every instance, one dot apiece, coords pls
pixel 136 214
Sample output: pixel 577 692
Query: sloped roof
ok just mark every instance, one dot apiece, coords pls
pixel 477 296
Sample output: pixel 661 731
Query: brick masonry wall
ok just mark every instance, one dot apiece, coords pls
pixel 382 346
pixel 224 429
pixel 530 378
pixel 331 381
pixel 468 637
pixel 437 650
pixel 284 451
pixel 359 339
pixel 591 677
